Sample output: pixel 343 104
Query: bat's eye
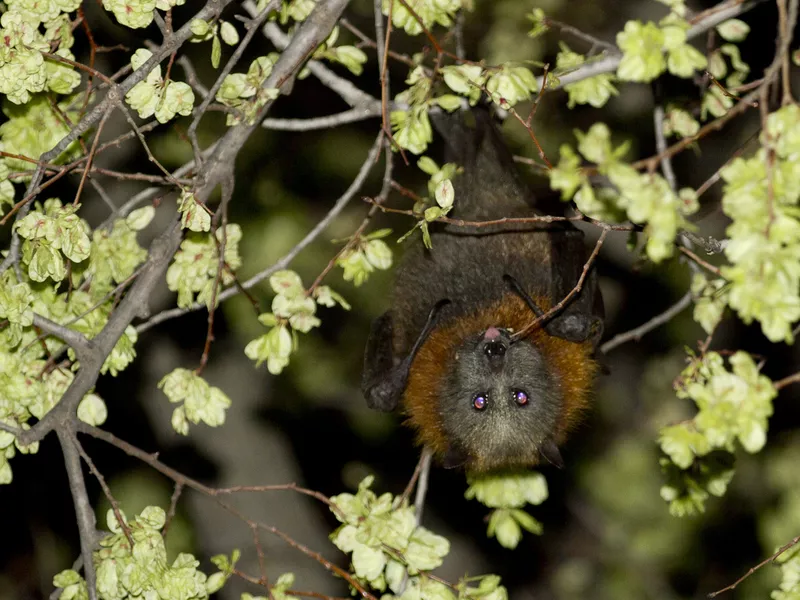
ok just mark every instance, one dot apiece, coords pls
pixel 520 397
pixel 480 402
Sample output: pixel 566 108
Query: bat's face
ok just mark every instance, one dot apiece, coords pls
pixel 500 403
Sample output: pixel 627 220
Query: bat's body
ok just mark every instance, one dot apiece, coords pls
pixel 476 396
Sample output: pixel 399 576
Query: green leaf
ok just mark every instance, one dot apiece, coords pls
pixel 194 216
pixel 680 123
pixel 200 28
pixel 368 562
pixel 507 490
pixel 511 85
pixel 503 526
pixel 685 60
pixel 92 410
pixel 412 129
pixel 642 47
pixel 327 297
pixel 445 194
pixel 140 218
pixel 216 51
pixel 287 283
pixel 733 30
pixel 466 80
pixel 228 33
pixel 430 13
pixel 135 14
pixel 526 521
pixel 200 401
pixel 682 443
pixel 448 102
pixel 428 165
pixel 433 213
pixel 426 550
pixel 178 99
pixel 378 254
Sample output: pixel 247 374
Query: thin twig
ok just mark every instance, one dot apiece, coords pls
pixel 106 490
pixel 782 383
pixel 92 153
pixel 173 507
pixel 285 260
pixel 422 485
pixel 752 570
pixel 575 290
pixel 706 265
pixel 660 319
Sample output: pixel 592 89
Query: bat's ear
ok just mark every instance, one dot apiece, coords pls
pixel 454 459
pixel 550 451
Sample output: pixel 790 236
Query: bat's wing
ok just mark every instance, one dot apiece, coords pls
pixel 490 185
pixel 582 319
pixel 384 378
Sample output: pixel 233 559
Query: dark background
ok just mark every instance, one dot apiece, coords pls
pixel 607 533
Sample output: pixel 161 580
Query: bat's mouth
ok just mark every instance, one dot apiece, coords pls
pixel 494 345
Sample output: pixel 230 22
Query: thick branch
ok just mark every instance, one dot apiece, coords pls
pixel 348 116
pixel 134 303
pixel 314 31
pixel 115 95
pixel 345 88
pixel 83 508
pixel 76 340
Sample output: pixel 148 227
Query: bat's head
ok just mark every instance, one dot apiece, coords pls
pixel 500 403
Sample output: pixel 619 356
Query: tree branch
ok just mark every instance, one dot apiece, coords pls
pixel 343 118
pixel 83 508
pixel 75 339
pixel 608 64
pixel 315 30
pixel 657 321
pixel 285 260
pixel 134 303
pixel 348 91
pixel 115 95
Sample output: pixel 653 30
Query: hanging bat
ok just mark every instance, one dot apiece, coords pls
pixel 479 396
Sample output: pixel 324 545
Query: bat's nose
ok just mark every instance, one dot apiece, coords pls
pixel 495 351
pixel 493 333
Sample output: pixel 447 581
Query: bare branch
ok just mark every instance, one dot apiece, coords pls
pixel 343 118
pixel 284 261
pixel 106 490
pixel 83 508
pixel 661 146
pixel 15 431
pixel 76 340
pixel 789 380
pixel 657 321
pixel 752 570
